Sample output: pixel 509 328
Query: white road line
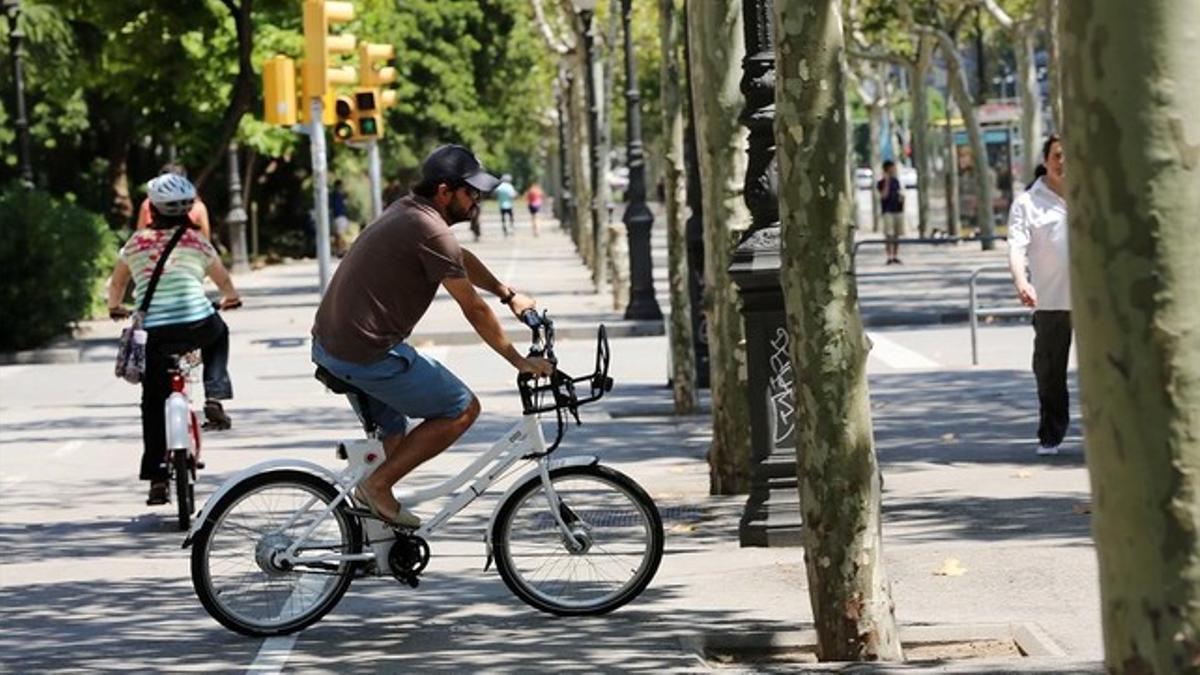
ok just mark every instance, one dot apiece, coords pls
pixel 68 448
pixel 512 262
pixel 895 356
pixel 273 654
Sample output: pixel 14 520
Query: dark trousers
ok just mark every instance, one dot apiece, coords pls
pixel 1051 346
pixel 211 337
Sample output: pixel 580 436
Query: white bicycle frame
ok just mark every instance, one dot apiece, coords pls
pixel 524 439
pixel 177 410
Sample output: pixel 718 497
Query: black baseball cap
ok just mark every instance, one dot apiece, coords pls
pixel 454 163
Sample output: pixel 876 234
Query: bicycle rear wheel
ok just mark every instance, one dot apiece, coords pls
pixel 616 546
pixel 184 493
pixel 234 555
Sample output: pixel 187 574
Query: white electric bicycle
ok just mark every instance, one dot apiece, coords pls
pixel 276 547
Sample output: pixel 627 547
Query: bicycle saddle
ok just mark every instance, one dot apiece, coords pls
pixel 336 384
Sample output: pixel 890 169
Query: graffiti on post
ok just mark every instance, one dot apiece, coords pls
pixel 781 391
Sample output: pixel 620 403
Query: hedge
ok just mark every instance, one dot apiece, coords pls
pixel 54 258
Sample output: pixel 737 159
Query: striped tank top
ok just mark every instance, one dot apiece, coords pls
pixel 180 296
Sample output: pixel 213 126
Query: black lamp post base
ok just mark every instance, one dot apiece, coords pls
pixel 772 515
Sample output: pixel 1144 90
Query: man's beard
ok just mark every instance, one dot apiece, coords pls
pixel 458 215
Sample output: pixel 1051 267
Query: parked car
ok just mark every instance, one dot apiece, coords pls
pixel 864 178
pixel 908 177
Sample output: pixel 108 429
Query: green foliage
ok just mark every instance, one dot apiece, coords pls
pixel 55 256
pixel 116 85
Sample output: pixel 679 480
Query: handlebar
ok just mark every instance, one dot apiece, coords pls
pixel 560 388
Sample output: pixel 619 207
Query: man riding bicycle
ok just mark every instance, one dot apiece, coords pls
pixel 380 291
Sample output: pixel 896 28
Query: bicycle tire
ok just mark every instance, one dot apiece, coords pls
pixel 220 600
pixel 528 502
pixel 182 474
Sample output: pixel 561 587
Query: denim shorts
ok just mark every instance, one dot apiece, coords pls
pixel 402 384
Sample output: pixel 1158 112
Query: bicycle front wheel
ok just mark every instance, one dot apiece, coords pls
pixel 612 553
pixel 184 493
pixel 235 556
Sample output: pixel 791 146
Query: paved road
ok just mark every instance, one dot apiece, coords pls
pixel 90 578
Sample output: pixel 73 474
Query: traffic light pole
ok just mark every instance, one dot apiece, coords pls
pixel 376 178
pixel 316 139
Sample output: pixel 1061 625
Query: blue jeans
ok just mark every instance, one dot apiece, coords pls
pixel 403 384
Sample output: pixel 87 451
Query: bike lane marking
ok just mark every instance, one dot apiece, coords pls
pixel 273 654
pixel 68 448
pixel 895 356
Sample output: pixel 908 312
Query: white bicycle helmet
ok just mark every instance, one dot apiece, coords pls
pixel 172 194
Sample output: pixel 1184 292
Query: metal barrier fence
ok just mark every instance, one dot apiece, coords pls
pixel 926 241
pixel 974 311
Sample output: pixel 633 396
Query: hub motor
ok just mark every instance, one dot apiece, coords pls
pixel 268 550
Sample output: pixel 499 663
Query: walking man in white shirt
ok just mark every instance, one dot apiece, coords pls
pixel 1037 229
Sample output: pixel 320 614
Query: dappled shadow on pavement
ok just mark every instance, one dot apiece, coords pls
pixel 962 416
pixel 137 625
pixel 1043 517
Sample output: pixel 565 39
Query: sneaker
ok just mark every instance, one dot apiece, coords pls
pixel 215 417
pixel 158 493
pixel 1046 450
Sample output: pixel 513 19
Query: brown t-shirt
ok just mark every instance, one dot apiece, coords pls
pixel 385 283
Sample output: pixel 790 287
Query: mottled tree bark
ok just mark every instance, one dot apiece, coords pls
pixel 1032 124
pixel 717 49
pixel 1132 122
pixel 984 216
pixel 920 126
pixel 683 361
pixel 840 483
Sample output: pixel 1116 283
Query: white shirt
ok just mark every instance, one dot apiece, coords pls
pixel 1037 228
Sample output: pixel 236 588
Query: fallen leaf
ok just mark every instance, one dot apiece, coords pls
pixel 951 567
pixel 1022 474
pixel 949 438
pixel 1081 508
pixel 682 528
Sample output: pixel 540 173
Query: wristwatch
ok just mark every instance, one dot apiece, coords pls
pixel 507 299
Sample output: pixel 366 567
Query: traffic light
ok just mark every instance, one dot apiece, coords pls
pixel 319 46
pixel 279 91
pixel 369 54
pixel 369 114
pixel 304 103
pixel 345 128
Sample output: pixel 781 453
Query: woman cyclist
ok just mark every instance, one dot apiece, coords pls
pixel 180 317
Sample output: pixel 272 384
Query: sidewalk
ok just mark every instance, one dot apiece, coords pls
pixel 104 574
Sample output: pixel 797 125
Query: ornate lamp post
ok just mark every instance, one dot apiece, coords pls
pixel 562 202
pixel 642 302
pixel 587 10
pixel 12 8
pixel 236 218
pixel 772 513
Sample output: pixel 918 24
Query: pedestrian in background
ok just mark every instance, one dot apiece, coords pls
pixel 891 200
pixel 506 195
pixel 533 198
pixel 392 191
pixel 1037 230
pixel 198 215
pixel 341 218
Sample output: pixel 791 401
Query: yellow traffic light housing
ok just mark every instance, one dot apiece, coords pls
pixel 304 103
pixel 279 91
pixel 344 129
pixel 368 113
pixel 319 46
pixel 369 54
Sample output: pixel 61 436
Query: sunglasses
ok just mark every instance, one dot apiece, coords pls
pixel 472 192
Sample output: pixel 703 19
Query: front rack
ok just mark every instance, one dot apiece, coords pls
pixel 561 393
